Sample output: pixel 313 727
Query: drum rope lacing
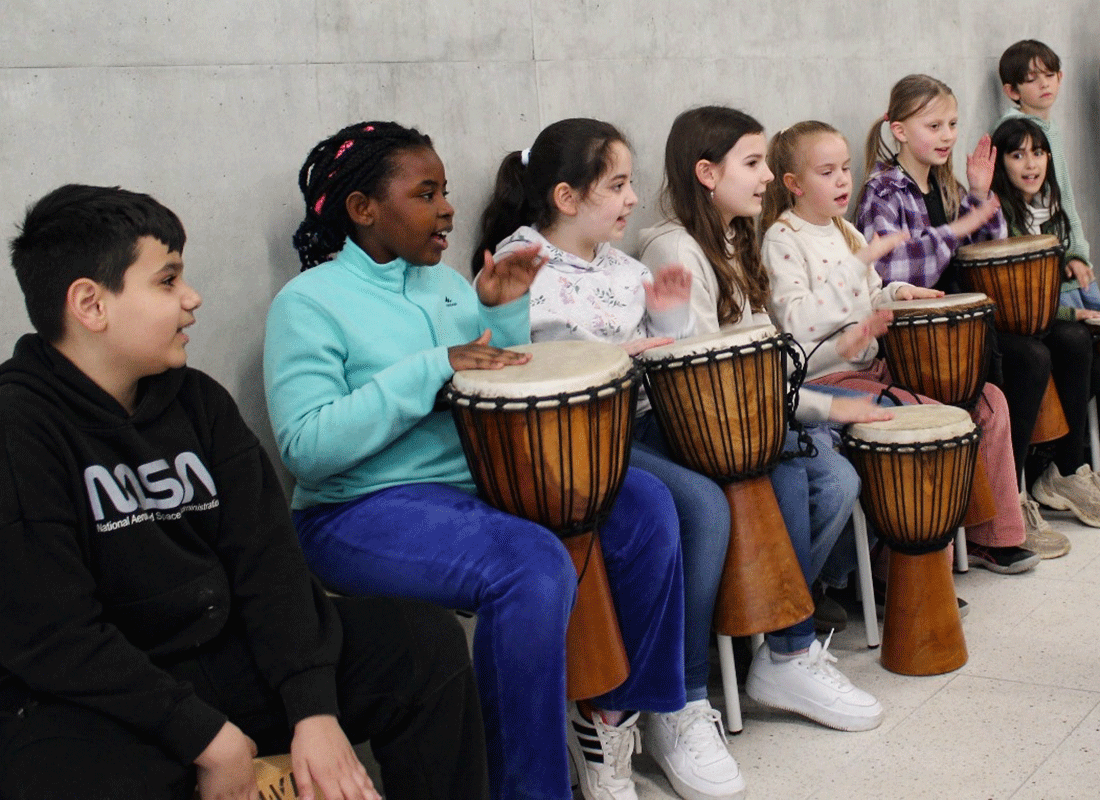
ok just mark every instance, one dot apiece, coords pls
pixel 895 490
pixel 707 406
pixel 572 509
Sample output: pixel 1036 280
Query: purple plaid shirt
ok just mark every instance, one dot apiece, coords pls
pixel 893 202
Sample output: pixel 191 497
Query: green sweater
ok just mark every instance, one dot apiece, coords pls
pixel 354 357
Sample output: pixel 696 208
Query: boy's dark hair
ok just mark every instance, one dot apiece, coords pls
pixel 78 232
pixel 1016 61
pixel 360 158
pixel 1011 135
pixel 572 151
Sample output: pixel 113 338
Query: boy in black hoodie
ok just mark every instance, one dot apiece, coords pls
pixel 158 625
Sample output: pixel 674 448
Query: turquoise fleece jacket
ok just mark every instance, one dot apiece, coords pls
pixel 354 356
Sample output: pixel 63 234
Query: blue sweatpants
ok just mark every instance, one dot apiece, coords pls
pixel 440 544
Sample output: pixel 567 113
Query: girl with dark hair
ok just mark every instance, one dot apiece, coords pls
pixel 1028 189
pixel 571 195
pixel 356 352
pixel 715 176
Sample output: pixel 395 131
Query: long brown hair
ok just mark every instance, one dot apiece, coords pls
pixel 785 155
pixel 911 95
pixel 709 133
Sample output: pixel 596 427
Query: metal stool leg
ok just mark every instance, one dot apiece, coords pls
pixel 962 564
pixel 863 571
pixel 729 684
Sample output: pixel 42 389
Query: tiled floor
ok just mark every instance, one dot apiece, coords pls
pixel 1020 720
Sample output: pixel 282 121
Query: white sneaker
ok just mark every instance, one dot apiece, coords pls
pixel 810 685
pixel 690 746
pixel 601 755
pixel 1076 493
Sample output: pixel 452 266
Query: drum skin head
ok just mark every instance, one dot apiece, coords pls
pixel 709 342
pixel 915 424
pixel 948 301
pixel 554 368
pixel 1006 248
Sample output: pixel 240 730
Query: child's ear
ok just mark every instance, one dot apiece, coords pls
pixel 706 174
pixel 1010 92
pixel 565 199
pixel 84 302
pixel 361 209
pixel 898 130
pixel 791 182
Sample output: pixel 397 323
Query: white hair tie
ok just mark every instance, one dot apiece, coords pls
pixel 525 156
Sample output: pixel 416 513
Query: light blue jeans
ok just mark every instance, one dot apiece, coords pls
pixel 704 515
pixel 816 496
pixel 1088 298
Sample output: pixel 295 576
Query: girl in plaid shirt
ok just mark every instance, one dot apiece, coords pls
pixel 915 190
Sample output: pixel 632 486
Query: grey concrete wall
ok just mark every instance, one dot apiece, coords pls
pixel 211 106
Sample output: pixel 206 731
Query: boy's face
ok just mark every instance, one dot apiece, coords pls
pixel 146 318
pixel 1038 92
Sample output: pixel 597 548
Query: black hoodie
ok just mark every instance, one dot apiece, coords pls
pixel 128 541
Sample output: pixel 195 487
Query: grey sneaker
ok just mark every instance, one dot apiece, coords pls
pixel 1041 538
pixel 1076 493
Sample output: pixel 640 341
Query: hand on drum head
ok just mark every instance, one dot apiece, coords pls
pixel 1079 271
pixel 671 287
pixel 879 246
pixel 1081 314
pixel 321 754
pixel 509 277
pixel 478 354
pixel 857 338
pixel 857 409
pixel 225 766
pixel 641 345
pixel 979 167
pixel 916 293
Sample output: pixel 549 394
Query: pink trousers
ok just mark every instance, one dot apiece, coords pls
pixel 990 413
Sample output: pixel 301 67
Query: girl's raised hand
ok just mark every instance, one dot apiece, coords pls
pixel 857 409
pixel 880 246
pixel 857 338
pixel 641 345
pixel 671 287
pixel 509 277
pixel 478 354
pixel 916 293
pixel 979 167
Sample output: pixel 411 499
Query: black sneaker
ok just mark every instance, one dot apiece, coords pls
pixel 1004 560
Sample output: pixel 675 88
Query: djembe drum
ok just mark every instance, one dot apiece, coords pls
pixel 1022 275
pixel 549 441
pixel 721 400
pixel 940 347
pixel 916 471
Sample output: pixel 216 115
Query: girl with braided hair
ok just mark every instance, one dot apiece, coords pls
pixel 357 349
